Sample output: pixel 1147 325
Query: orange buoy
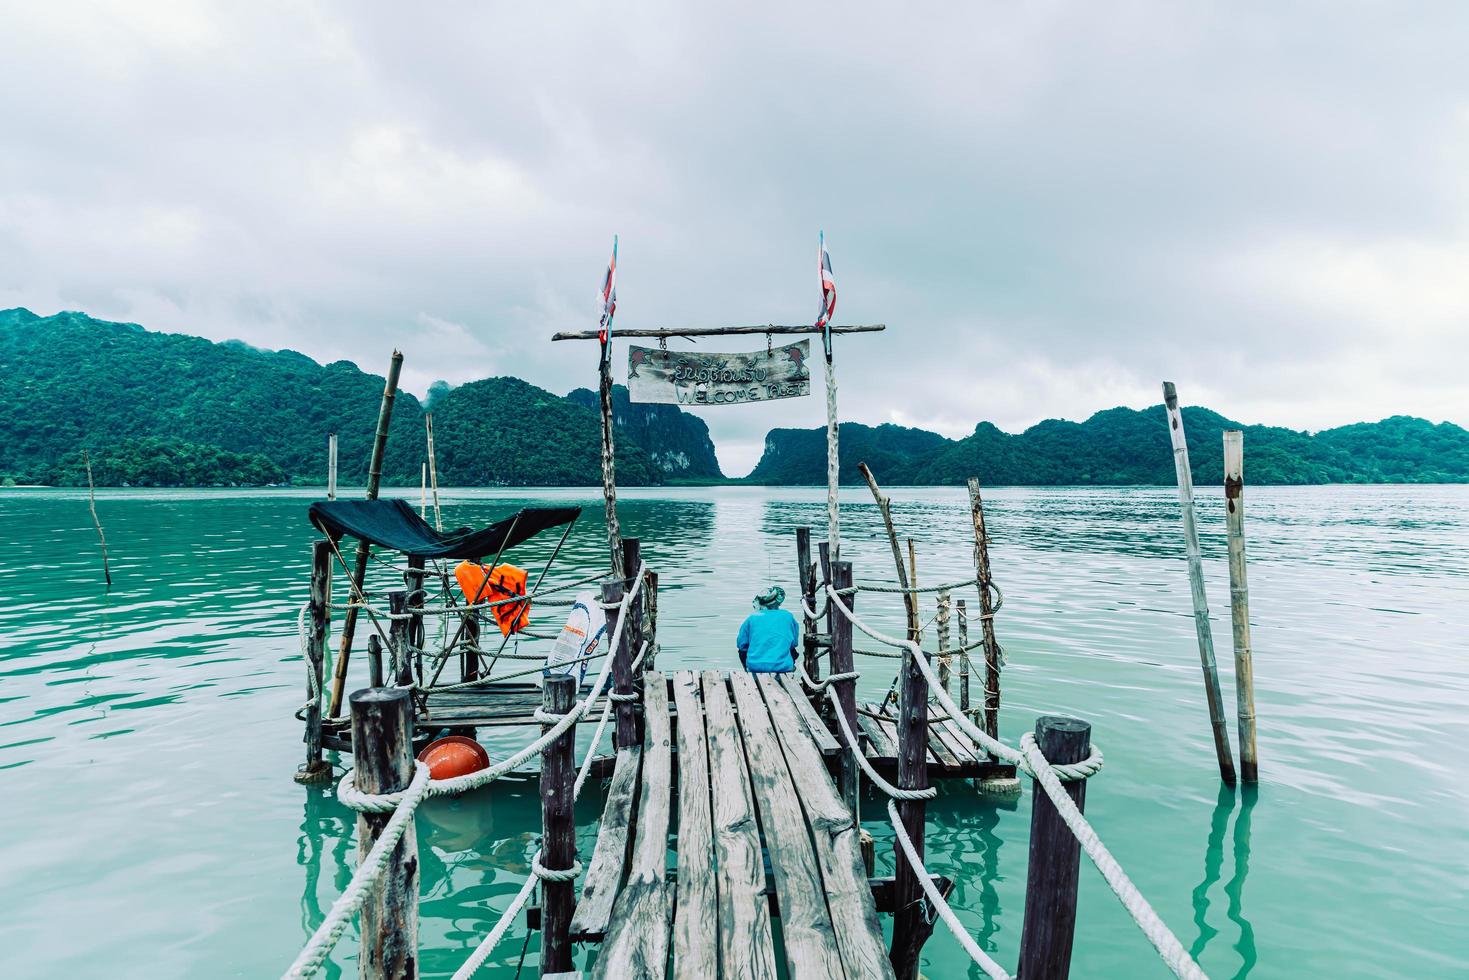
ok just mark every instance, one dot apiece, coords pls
pixel 454 755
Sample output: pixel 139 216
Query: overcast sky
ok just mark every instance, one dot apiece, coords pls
pixel 1053 206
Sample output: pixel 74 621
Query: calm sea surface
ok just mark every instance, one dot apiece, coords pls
pixel 151 827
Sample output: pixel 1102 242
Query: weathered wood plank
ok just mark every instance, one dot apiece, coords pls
pixel 942 733
pixel 958 742
pixel 746 949
pixel 820 734
pixel 609 859
pixel 637 936
pixel 696 921
pixel 938 748
pixel 835 833
pixel 879 745
pixel 805 922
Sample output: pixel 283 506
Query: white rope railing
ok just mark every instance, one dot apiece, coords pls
pixel 1030 759
pixel 402 806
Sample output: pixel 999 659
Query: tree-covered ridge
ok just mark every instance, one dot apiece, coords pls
pixel 168 409
pixel 1122 446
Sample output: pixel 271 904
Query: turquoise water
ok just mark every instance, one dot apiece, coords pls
pixel 151 827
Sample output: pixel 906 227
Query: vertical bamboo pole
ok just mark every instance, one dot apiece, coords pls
pixel 92 503
pixel 1239 603
pixel 382 750
pixel 359 571
pixel 963 657
pixel 609 465
pixel 849 776
pixel 433 472
pixel 942 627
pixel 652 589
pixel 423 490
pixel 1202 629
pixel 331 466
pixel 398 638
pixel 986 613
pixel 1049 925
pixel 316 769
pixel 415 579
pixel 374 661
pixel 833 459
pixel 558 827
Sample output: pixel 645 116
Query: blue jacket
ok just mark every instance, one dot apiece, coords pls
pixel 767 641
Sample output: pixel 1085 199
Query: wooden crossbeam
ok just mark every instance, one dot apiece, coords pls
pixel 771 328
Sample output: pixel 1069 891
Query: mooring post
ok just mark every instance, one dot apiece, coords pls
pixel 558 827
pixel 963 616
pixel 416 597
pixel 807 581
pixel 1239 603
pixel 1055 857
pixel 469 649
pixel 1202 630
pixel 398 638
pixel 626 732
pixel 942 632
pixel 374 661
pixel 316 769
pixel 911 920
pixel 849 775
pixel 986 613
pixel 632 560
pixel 652 588
pixel 359 568
pixel 382 751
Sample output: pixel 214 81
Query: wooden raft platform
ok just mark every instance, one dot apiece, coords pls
pixel 751 782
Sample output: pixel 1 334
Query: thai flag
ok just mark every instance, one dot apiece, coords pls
pixel 828 294
pixel 609 301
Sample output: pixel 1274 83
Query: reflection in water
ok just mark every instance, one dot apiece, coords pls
pixel 1234 888
pixel 322 821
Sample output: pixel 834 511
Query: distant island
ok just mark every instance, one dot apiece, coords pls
pixel 162 410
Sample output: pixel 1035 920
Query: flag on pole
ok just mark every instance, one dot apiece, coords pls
pixel 609 303
pixel 828 295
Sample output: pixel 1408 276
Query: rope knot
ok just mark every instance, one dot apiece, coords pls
pixel 554 874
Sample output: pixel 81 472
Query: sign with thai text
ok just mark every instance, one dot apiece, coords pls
pixel 693 378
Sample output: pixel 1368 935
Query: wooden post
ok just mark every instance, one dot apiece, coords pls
pixel 942 630
pixel 609 465
pixel 398 638
pixel 807 581
pixel 849 775
pixel 911 920
pixel 382 750
pixel 359 572
pixel 963 657
pixel 374 661
pixel 331 466
pixel 423 491
pixel 469 652
pixel 833 459
pixel 1055 858
pixel 1202 629
pixel 316 769
pixel 986 614
pixel 92 503
pixel 652 590
pixel 915 626
pixel 416 639
pixel 632 557
pixel 626 733
pixel 1239 603
pixel 558 827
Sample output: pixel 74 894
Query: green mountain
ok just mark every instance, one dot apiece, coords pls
pixel 1123 446
pixel 678 442
pixel 160 409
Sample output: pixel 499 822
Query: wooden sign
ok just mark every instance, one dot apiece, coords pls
pixel 706 378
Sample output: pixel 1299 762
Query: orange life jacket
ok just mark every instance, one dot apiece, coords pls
pixel 479 583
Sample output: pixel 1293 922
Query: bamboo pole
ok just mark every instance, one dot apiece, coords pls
pixel 359 571
pixel 316 769
pixel 609 465
pixel 1202 629
pixel 833 460
pixel 807 582
pixel 433 472
pixel 942 627
pixel 986 612
pixel 963 614
pixel 331 466
pixel 92 503
pixel 423 491
pixel 1239 603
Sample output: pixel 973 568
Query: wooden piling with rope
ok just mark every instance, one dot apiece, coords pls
pixel 316 769
pixel 807 582
pixel 912 922
pixel 382 749
pixel 626 733
pixel 558 826
pixel 1049 927
pixel 849 775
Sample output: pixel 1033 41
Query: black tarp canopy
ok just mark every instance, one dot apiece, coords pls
pixel 393 524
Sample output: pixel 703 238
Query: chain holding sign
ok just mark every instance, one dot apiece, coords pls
pixel 706 378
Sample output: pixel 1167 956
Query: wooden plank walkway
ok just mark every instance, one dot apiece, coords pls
pixel 751 782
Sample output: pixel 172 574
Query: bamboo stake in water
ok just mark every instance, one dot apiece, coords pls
pixel 1239 603
pixel 92 503
pixel 1196 583
pixel 423 490
pixel 433 473
pixel 331 467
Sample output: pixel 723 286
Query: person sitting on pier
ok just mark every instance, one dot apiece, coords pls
pixel 768 636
